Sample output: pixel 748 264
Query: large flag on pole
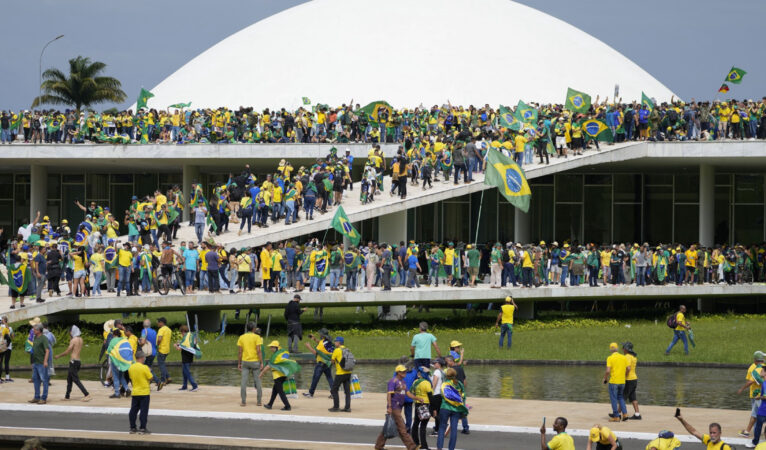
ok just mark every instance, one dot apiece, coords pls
pixel 180 105
pixel 371 110
pixel 343 226
pixel 526 113
pixel 577 101
pixel 507 176
pixel 645 100
pixel 735 75
pixel 597 130
pixel 143 97
pixel 508 119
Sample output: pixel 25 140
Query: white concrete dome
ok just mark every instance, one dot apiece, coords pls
pixel 407 52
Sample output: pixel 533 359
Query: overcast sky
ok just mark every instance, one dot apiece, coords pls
pixel 689 45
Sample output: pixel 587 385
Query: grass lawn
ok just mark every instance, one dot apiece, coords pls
pixel 555 336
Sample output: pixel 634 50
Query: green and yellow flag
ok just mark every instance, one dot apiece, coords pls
pixel 180 105
pixel 280 361
pixel 597 130
pixel 306 101
pixel 508 119
pixel 371 110
pixel 646 101
pixel 143 96
pixel 735 75
pixel 526 113
pixel 507 176
pixel 343 226
pixel 577 101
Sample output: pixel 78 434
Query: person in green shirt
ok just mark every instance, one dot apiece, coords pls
pixel 496 265
pixel 41 350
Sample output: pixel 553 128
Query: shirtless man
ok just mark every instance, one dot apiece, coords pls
pixel 74 349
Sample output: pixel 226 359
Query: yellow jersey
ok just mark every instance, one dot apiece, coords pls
pixel 507 314
pixel 617 364
pixel 164 345
pixel 140 376
pixel 250 343
pixel 337 355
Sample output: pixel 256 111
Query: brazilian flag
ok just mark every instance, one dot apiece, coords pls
pixel 120 353
pixel 453 395
pixel 190 344
pixel 180 105
pixel 577 101
pixel 306 101
pixel 735 75
pixel 526 113
pixel 646 101
pixel 19 277
pixel 321 264
pixel 597 130
pixel 343 226
pixel 280 361
pixel 508 119
pixel 507 176
pixel 371 110
pixel 110 255
pixel 143 97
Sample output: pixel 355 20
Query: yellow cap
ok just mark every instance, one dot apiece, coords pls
pixel 566 245
pixel 542 242
pixel 595 434
pixel 400 368
pixel 508 299
pixel 276 344
pixel 455 344
pixel 613 346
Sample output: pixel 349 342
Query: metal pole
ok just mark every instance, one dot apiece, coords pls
pixel 478 220
pixel 40 67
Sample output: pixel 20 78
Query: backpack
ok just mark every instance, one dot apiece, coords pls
pixel 672 116
pixel 672 322
pixel 506 256
pixel 347 360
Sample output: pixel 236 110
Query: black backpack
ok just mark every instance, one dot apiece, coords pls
pixel 672 321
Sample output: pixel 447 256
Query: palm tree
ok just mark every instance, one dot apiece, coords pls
pixel 83 87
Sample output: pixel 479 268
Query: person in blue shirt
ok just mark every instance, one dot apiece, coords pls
pixel 413 267
pixel 191 258
pixel 149 336
pixel 289 267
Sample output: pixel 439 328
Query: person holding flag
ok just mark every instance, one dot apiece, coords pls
pixel 452 408
pixel 323 352
pixel 120 358
pixel 281 368
pixel 189 348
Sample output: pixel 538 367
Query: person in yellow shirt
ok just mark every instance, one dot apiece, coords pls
pixel 323 353
pixel 631 379
pixel 449 260
pixel 422 389
pixel 140 377
pixel 712 440
pixel 616 370
pixel 520 141
pixel 132 339
pixel 505 320
pixel 691 263
pixel 164 335
pixel 342 377
pixel 277 375
pixel 679 333
pixel 562 441
pixel 604 438
pixel 266 263
pixel 250 361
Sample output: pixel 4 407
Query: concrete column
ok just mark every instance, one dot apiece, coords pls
pixel 705 305
pixel 208 320
pixel 38 190
pixel 392 228
pixel 522 226
pixel 707 205
pixel 190 175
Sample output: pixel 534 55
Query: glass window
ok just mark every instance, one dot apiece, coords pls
pixel 748 224
pixel 541 208
pixel 722 179
pixel 484 214
pixel 655 179
pixel 568 188
pixel 506 215
pixel 122 178
pixel 73 178
pixel 23 178
pixel 686 228
pixel 598 179
pixel 687 188
pixel 456 221
pixel 748 188
pixel 658 214
pixel 627 188
pixel 6 186
pixel 721 214
pixel 170 178
pixel 98 186
pixel 548 179
pixel 6 220
pixel 53 211
pixel 568 222
pixel 627 222
pixel 598 214
pixel 54 186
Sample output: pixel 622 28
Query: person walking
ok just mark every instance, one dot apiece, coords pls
pixel 323 352
pixel 505 320
pixel 616 370
pixel 437 377
pixel 119 381
pixel 604 438
pixel 340 357
pixel 140 376
pixel 73 376
pixel 188 348
pixel 679 332
pixel 250 361
pixel 41 350
pixel 164 335
pixel 631 379
pixel 148 342
pixel 452 408
pixel 420 347
pixel 562 441
pixel 395 393
pixel 281 368
pixel 292 315
pixel 753 383
pixel 422 389
pixel 6 334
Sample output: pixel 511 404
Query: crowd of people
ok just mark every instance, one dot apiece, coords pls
pixel 674 120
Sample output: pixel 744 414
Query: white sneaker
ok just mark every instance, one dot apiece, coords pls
pixel 749 445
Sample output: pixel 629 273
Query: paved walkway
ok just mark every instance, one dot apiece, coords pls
pixel 487 414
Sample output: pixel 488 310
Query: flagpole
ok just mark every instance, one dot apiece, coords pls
pixel 478 221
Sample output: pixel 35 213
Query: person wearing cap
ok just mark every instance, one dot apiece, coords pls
pixel 250 360
pixel 753 382
pixel 631 379
pixel 342 378
pixel 323 352
pixel 73 375
pixel 616 370
pixel 278 375
pixel 423 389
pixel 665 440
pixel 396 392
pixel 505 320
pixel 456 360
pixel 604 438
pixel 140 377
